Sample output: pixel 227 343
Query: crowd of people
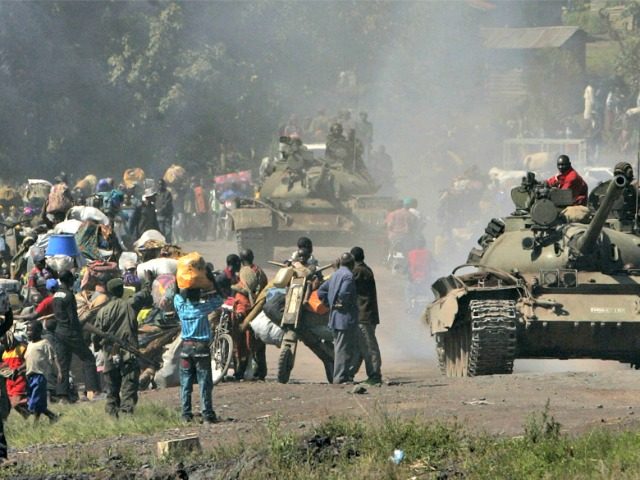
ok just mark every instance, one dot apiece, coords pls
pixel 79 286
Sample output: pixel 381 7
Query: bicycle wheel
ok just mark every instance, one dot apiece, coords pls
pixel 221 354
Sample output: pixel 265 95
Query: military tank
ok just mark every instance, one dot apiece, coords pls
pixel 546 282
pixel 331 200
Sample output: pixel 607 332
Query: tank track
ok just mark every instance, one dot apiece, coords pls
pixel 493 337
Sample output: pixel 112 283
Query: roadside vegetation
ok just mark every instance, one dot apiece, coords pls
pixel 339 448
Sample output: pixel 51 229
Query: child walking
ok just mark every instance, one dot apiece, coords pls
pixel 40 359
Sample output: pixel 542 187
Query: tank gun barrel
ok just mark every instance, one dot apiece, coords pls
pixel 587 241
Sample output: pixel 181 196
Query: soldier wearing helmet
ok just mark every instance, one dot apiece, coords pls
pixel 568 179
pixel 337 149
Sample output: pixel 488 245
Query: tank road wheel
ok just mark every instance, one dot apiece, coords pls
pixel 493 337
pixel 453 351
pixel 259 240
pixel 285 364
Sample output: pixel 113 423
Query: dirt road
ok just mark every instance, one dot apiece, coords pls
pixel 582 394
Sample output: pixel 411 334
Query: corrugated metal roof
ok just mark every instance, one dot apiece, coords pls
pixel 523 38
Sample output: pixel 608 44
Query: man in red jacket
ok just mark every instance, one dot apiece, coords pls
pixel 569 179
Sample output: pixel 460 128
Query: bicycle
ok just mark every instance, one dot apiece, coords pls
pixel 221 346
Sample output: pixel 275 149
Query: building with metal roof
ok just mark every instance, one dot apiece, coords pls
pixel 528 38
pixel 510 54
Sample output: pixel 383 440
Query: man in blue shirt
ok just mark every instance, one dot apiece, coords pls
pixel 339 294
pixel 195 356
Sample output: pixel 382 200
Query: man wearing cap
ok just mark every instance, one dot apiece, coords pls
pixel 568 179
pixel 144 216
pixel 339 294
pixel 69 341
pixel 368 319
pixel 118 318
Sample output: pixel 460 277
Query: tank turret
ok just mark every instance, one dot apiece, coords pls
pixel 587 241
pixel 304 193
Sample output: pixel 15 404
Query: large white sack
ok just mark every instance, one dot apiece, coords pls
pixel 158 266
pixel 266 330
pixel 68 226
pixel 169 373
pixel 125 258
pixel 84 214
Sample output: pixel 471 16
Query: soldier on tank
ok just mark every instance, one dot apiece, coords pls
pixel 337 148
pixel 356 150
pixel 364 131
pixel 568 179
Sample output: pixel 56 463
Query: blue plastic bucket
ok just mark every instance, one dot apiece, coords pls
pixel 63 244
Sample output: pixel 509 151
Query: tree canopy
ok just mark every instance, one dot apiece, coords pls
pixel 102 86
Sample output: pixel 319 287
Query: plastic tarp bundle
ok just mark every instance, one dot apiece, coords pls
pixel 266 330
pixel 154 235
pixel 174 174
pixel 87 184
pixel 37 188
pixel 125 258
pixel 99 272
pixel 163 290
pixel 85 214
pixel 192 272
pixel 133 177
pixel 236 177
pixel 158 266
pixel 9 195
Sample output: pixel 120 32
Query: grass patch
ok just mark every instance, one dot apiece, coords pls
pixel 356 448
pixel 351 448
pixel 85 422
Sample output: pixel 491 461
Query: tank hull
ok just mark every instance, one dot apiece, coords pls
pixel 358 219
pixel 597 317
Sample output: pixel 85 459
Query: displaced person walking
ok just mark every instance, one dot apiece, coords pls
pixel 40 360
pixel 195 357
pixel 164 210
pixel 339 294
pixel 69 341
pixel 368 319
pixel 118 319
pixel 144 216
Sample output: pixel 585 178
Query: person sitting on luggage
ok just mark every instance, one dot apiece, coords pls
pixel 304 253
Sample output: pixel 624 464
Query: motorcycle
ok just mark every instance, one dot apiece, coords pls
pixel 301 322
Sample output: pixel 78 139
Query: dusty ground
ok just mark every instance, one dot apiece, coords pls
pixel 582 394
